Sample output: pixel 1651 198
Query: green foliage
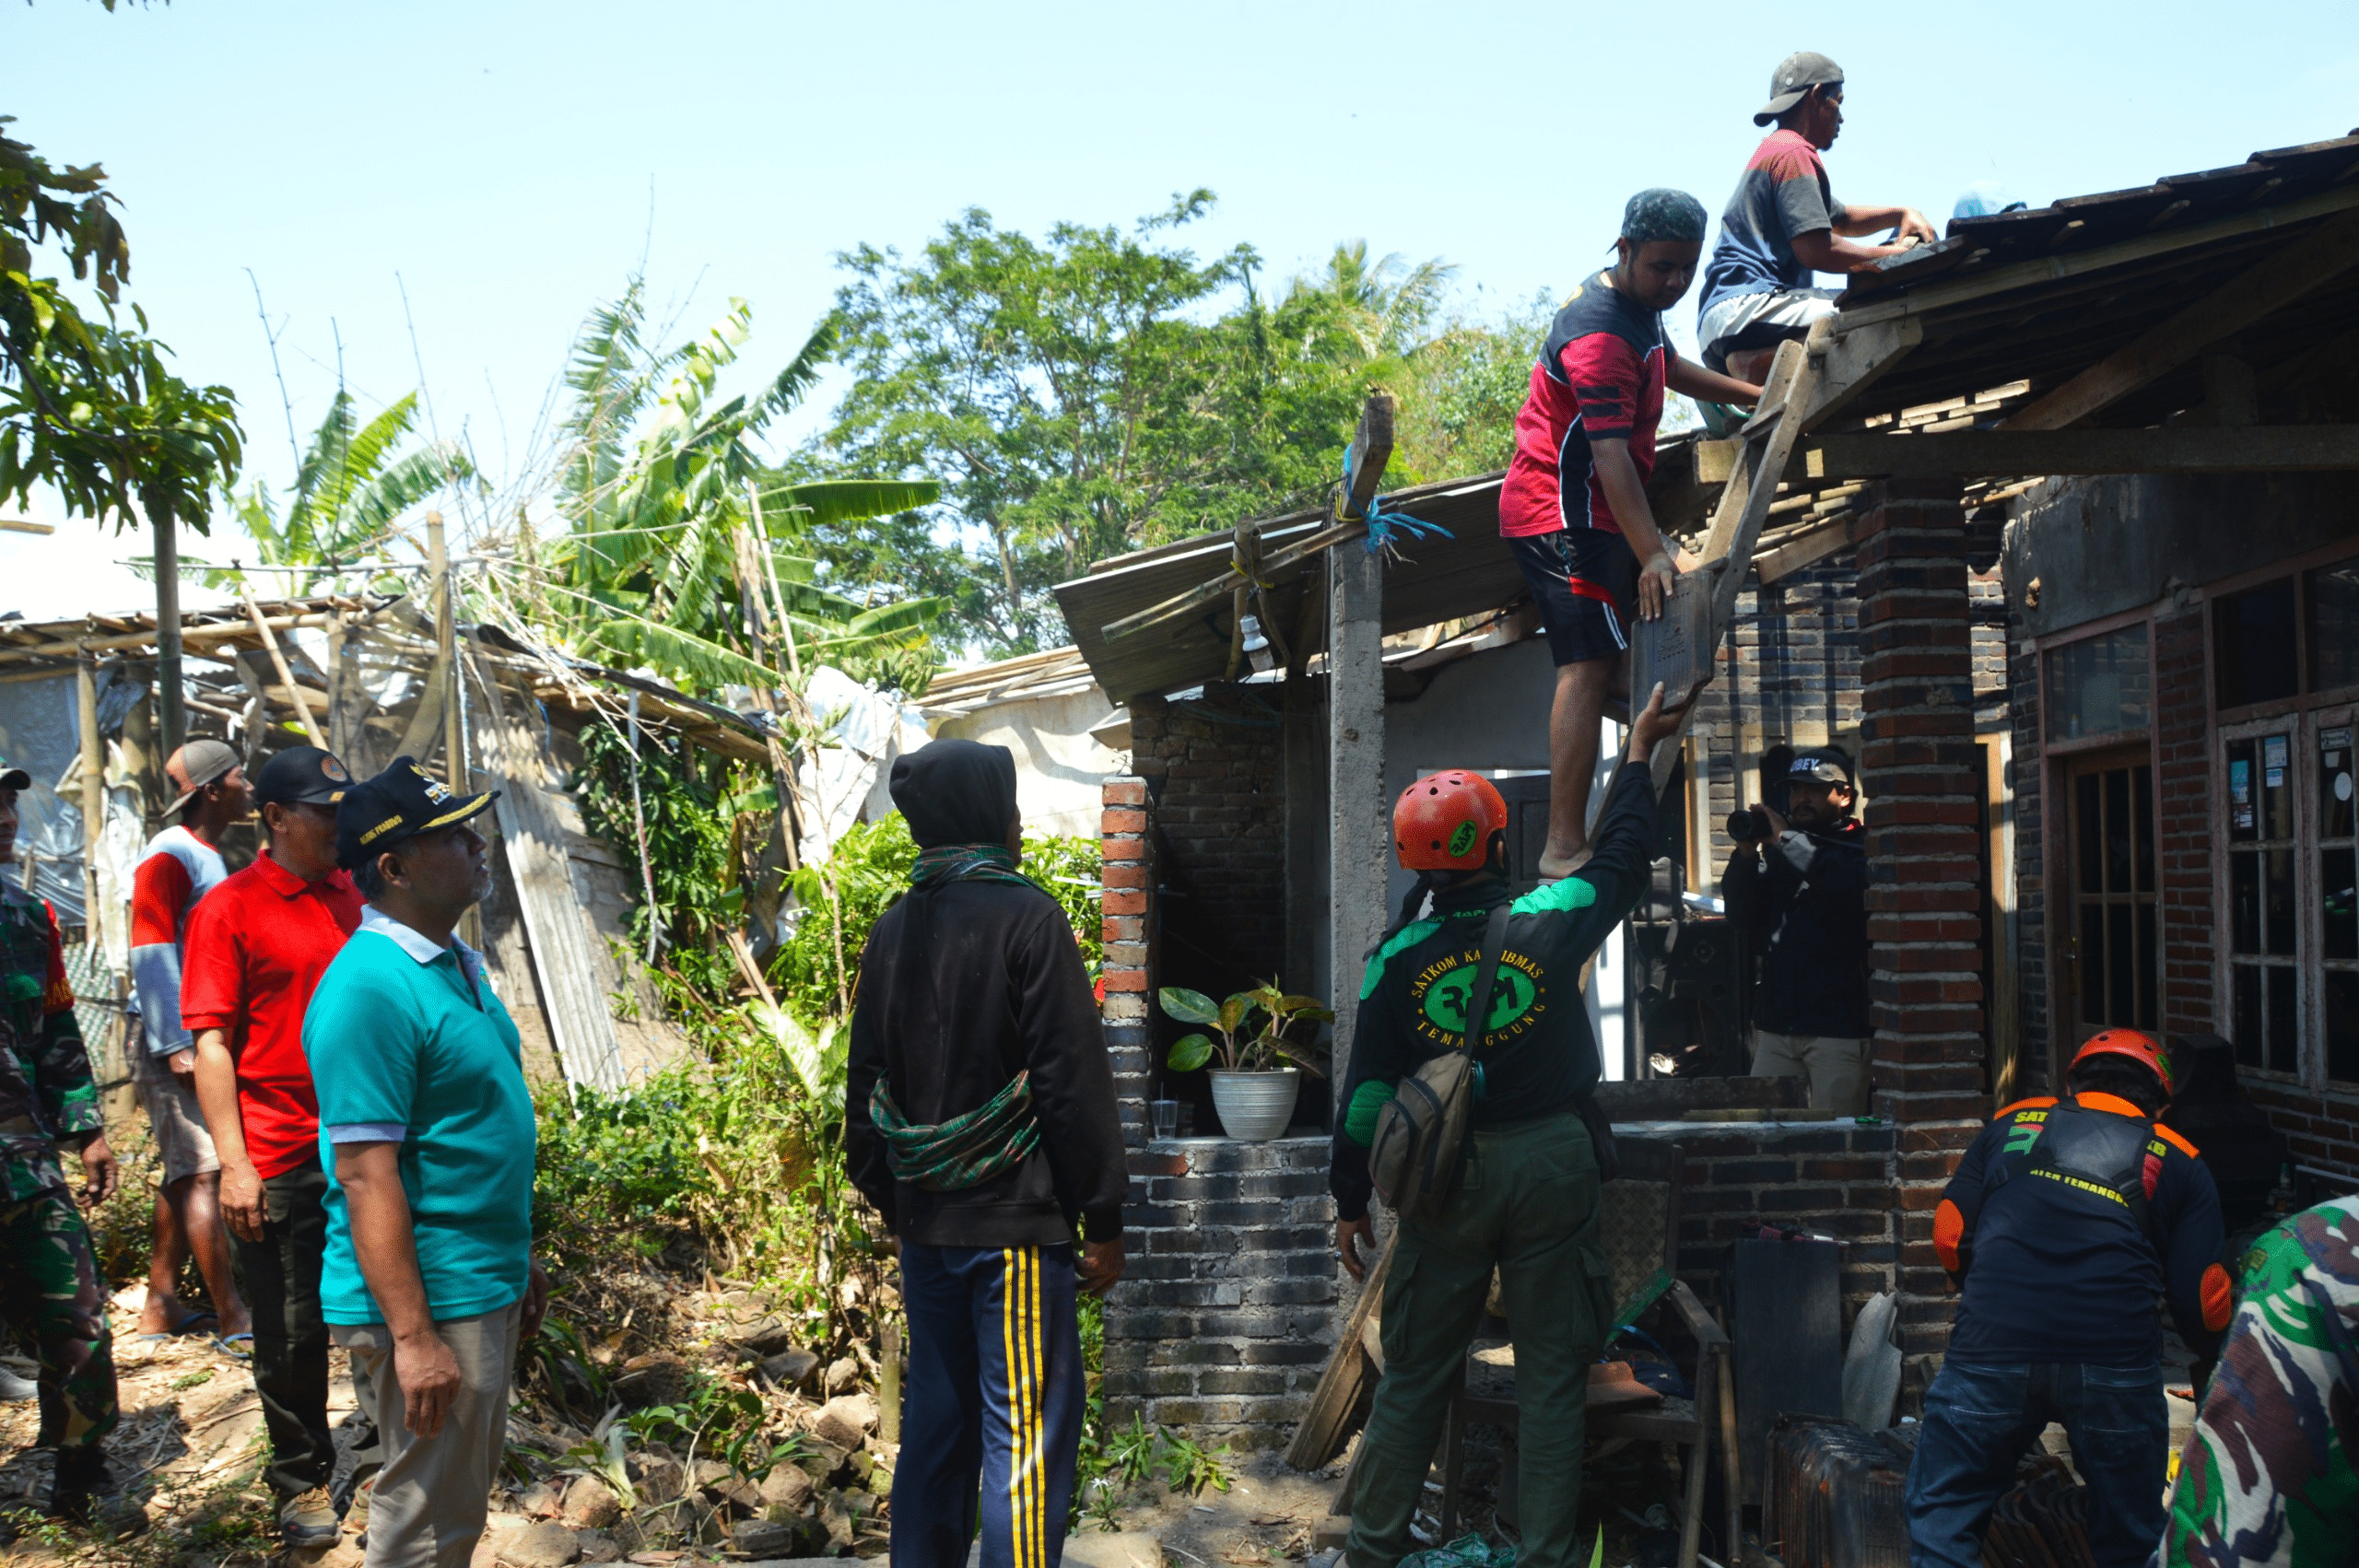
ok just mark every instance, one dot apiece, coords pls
pixel 660 481
pixel 351 486
pixel 87 407
pixel 697 894
pixel 718 1420
pixel 1077 401
pixel 1241 1050
pixel 869 870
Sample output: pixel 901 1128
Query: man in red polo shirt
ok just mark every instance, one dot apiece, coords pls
pixel 256 950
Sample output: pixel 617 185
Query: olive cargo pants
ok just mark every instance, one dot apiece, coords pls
pixel 1526 1204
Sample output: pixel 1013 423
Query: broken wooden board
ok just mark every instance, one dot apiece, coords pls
pixel 1347 1376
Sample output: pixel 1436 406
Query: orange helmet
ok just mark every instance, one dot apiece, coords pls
pixel 1444 822
pixel 2141 1048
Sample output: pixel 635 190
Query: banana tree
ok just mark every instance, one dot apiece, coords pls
pixel 350 490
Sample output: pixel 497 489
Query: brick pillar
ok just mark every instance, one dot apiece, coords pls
pixel 1919 773
pixel 1129 880
pixel 2183 833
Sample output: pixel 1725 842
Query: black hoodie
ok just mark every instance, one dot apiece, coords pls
pixel 962 986
pixel 1802 899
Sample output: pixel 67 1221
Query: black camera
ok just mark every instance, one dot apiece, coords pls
pixel 1748 825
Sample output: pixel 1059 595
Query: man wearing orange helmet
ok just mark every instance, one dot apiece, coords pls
pixel 1525 1203
pixel 2065 1221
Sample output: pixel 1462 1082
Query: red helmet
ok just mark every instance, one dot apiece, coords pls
pixel 2141 1048
pixel 1444 822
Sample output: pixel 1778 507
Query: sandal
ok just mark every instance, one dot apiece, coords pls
pixel 228 1345
pixel 191 1324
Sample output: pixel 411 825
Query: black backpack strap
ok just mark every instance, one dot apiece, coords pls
pixel 1487 975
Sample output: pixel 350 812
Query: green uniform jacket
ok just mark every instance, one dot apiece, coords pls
pixel 45 1088
pixel 1537 1055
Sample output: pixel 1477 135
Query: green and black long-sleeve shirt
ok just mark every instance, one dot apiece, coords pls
pixel 1537 1054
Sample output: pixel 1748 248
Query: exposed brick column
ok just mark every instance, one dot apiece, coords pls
pixel 2183 834
pixel 1129 880
pixel 1920 771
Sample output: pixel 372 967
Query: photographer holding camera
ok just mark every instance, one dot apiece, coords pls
pixel 1796 885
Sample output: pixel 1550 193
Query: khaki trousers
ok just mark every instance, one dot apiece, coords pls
pixel 433 1494
pixel 1837 1068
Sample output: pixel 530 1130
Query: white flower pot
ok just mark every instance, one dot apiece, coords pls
pixel 1256 1107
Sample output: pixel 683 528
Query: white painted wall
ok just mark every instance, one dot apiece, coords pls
pixel 1058 767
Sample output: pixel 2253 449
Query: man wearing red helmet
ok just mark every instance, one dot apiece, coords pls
pixel 2065 1221
pixel 1525 1204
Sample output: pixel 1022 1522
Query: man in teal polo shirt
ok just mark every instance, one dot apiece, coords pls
pixel 427 1129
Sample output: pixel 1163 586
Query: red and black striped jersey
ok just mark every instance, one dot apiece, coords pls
pixel 1600 378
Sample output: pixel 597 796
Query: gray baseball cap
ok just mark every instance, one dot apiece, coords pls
pixel 1794 77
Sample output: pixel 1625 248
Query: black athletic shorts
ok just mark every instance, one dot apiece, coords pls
pixel 1586 582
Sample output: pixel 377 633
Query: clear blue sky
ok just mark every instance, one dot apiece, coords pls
pixel 500 156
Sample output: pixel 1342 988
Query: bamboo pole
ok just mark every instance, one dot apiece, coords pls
pixel 169 694
pixel 446 644
pixel 94 787
pixel 278 662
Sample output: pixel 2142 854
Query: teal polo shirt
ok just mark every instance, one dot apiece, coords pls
pixel 408 1043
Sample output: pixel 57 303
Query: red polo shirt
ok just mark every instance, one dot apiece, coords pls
pixel 257 946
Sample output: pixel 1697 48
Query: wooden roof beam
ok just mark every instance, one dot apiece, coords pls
pixel 2250 449
pixel 2259 290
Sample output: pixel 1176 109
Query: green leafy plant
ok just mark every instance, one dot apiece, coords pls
pixel 1242 1049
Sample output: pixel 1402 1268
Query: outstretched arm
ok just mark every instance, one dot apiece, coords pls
pixel 1855 219
pixel 1694 381
pixel 1822 250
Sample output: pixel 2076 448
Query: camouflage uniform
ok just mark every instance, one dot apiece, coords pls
pixel 2267 1476
pixel 50 1284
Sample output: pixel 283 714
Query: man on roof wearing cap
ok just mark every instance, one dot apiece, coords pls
pixel 979 1119
pixel 1797 886
pixel 257 946
pixel 1783 224
pixel 1527 1204
pixel 1573 508
pixel 427 1133
pixel 50 1288
pixel 2066 1220
pixel 180 868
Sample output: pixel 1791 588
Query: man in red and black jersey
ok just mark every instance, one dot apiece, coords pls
pixel 1574 506
pixel 2066 1220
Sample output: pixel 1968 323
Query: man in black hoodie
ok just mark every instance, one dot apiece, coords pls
pixel 1800 893
pixel 980 1122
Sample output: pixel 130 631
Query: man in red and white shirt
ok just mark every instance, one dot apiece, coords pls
pixel 256 950
pixel 1573 508
pixel 182 866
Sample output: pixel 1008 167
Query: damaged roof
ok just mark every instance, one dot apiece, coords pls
pixel 2031 298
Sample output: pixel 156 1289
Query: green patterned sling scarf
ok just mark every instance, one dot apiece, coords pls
pixel 968 1150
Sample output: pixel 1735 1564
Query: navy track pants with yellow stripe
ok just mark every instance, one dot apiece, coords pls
pixel 990 1415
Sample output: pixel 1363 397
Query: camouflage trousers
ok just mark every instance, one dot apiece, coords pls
pixel 50 1292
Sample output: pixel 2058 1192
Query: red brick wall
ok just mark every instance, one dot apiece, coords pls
pixel 1920 769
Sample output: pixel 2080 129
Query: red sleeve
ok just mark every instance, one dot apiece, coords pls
pixel 57 991
pixel 160 891
pixel 1606 377
pixel 212 970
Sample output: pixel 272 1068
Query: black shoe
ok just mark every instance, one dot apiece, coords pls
pixel 83 1491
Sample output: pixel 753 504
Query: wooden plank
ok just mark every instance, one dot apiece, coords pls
pixel 1805 549
pixel 2242 449
pixel 1365 461
pixel 2259 290
pixel 1854 360
pixel 582 1027
pixel 2076 264
pixel 1321 1431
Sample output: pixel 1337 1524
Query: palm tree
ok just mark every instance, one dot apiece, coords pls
pixel 1383 307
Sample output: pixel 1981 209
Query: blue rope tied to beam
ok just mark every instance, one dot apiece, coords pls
pixel 1382 521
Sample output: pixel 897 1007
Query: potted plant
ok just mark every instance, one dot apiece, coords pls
pixel 1260 1068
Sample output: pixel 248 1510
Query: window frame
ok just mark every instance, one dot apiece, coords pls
pixel 2301 718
